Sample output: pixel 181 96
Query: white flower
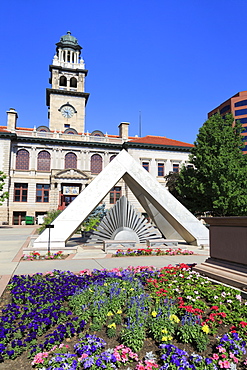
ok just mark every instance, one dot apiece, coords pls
pixel 223 294
pixel 238 296
pixel 229 301
pixel 216 297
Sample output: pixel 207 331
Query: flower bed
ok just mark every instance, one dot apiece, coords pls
pixel 48 256
pixel 137 318
pixel 154 252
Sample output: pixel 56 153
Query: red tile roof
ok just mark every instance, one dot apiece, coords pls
pixel 159 140
pixel 3 129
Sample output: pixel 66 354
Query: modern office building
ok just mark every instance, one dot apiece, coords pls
pixel 47 167
pixel 237 105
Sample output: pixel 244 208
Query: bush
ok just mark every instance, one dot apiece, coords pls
pixel 51 215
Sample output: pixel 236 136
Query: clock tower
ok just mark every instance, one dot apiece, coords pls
pixel 66 99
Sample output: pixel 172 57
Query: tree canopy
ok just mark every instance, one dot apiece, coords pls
pixel 217 181
pixel 3 195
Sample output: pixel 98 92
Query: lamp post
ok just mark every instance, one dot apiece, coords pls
pixel 49 236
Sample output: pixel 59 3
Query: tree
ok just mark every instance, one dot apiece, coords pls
pixel 4 195
pixel 92 221
pixel 50 216
pixel 218 180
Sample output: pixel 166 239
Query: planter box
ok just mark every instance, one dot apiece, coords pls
pixel 228 251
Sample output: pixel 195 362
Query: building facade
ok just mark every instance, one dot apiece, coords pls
pixel 237 106
pixel 47 167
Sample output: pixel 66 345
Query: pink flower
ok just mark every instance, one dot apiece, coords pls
pixel 84 355
pixel 215 356
pixel 221 349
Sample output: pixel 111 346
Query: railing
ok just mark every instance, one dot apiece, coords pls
pixel 59 135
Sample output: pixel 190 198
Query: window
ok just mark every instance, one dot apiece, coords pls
pixel 240 112
pixel 225 109
pixel 63 81
pixel 115 194
pixel 44 161
pixel 145 165
pixel 242 120
pixel 42 193
pixel 240 103
pixel 112 157
pixel 175 167
pixel 20 192
pixel 70 161
pixel 73 82
pixel 22 160
pixel 96 164
pixel 160 169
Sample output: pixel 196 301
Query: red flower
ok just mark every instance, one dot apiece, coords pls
pixel 243 324
pixel 214 308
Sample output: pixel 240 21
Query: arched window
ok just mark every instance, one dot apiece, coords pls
pixel 22 160
pixel 112 157
pixel 44 161
pixel 73 82
pixel 70 160
pixel 96 164
pixel 63 81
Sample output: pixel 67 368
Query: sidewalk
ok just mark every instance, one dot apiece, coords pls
pixel 13 239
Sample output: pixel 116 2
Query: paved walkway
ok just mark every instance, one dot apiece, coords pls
pixel 13 239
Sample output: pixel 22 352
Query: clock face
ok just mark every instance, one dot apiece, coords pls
pixel 67 111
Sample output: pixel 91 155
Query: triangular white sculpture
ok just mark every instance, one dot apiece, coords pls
pixel 165 210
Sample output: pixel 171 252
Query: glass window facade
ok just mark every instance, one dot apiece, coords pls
pixel 145 165
pixel 240 112
pixel 96 164
pixel 161 170
pixel 175 167
pixel 225 109
pixel 70 161
pixel 115 194
pixel 42 193
pixel 20 192
pixel 22 160
pixel 44 161
pixel 240 103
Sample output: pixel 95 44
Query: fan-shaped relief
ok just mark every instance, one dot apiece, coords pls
pixel 123 222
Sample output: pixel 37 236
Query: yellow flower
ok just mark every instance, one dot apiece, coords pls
pixel 113 325
pixel 90 290
pixel 164 331
pixel 131 289
pixel 109 313
pixel 166 338
pixel 206 329
pixel 119 312
pixel 154 314
pixel 174 318
pixel 105 284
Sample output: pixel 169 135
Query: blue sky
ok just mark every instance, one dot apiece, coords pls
pixel 172 60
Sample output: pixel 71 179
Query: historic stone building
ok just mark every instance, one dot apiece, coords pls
pixel 47 167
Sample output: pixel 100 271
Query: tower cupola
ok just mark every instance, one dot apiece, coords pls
pixel 68 52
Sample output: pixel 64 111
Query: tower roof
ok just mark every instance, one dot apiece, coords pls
pixel 68 41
